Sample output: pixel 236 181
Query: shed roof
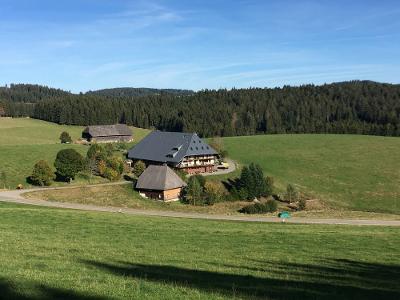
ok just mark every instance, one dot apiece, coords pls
pixel 108 130
pixel 169 147
pixel 159 178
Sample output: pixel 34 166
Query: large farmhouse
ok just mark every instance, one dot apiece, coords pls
pixel 107 133
pixel 185 151
pixel 160 182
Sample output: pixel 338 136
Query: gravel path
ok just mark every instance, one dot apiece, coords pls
pixel 16 197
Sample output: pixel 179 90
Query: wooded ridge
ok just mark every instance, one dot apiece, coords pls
pixel 359 107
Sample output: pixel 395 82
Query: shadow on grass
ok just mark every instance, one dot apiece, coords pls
pixel 340 279
pixel 10 291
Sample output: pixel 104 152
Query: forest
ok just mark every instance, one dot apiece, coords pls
pixel 357 107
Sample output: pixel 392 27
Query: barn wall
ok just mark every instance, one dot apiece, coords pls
pixel 172 194
pixel 112 139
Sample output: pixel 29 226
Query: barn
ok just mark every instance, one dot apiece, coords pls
pixel 160 182
pixel 107 133
pixel 184 151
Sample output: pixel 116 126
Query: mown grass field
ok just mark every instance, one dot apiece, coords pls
pixel 346 171
pixel 54 253
pixel 25 141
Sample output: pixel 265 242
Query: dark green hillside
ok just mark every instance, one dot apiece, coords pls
pixel 356 107
pixel 138 92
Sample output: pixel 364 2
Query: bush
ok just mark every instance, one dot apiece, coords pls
pixel 138 168
pixel 101 167
pixel 65 138
pixel 291 193
pixel 260 208
pixel 96 152
pixel 111 174
pixel 269 186
pixel 302 204
pixel 42 174
pixel 68 163
pixel 214 192
pixel 116 164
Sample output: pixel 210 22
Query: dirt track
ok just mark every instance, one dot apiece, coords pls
pixel 16 197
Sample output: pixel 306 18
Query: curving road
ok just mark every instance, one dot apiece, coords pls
pixel 15 196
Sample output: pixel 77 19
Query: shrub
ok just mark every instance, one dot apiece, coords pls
pixel 68 163
pixel 138 168
pixel 96 152
pixel 271 205
pixel 109 149
pixel 214 192
pixel 260 208
pixel 101 167
pixel 111 174
pixel 116 164
pixel 65 138
pixel 291 193
pixel 269 186
pixel 302 204
pixel 42 174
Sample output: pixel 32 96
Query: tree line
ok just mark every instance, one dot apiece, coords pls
pixel 358 107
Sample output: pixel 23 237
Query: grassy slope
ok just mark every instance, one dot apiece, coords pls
pixel 47 253
pixel 356 172
pixel 126 196
pixel 25 141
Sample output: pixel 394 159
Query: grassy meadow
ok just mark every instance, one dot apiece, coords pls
pixel 343 172
pixel 25 141
pixel 57 253
pixel 346 171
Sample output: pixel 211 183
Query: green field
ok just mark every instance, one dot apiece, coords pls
pixel 346 171
pixel 54 253
pixel 25 141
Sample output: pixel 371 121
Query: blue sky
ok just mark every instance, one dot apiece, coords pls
pixel 82 45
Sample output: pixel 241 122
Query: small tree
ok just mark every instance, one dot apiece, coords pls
pixel 138 168
pixel 214 191
pixel 291 193
pixel 42 174
pixel 65 138
pixel 194 191
pixel 68 163
pixel 269 184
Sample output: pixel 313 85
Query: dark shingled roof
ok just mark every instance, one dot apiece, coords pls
pixel 169 147
pixel 159 178
pixel 108 130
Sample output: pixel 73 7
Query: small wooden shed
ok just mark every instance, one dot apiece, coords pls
pixel 160 182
